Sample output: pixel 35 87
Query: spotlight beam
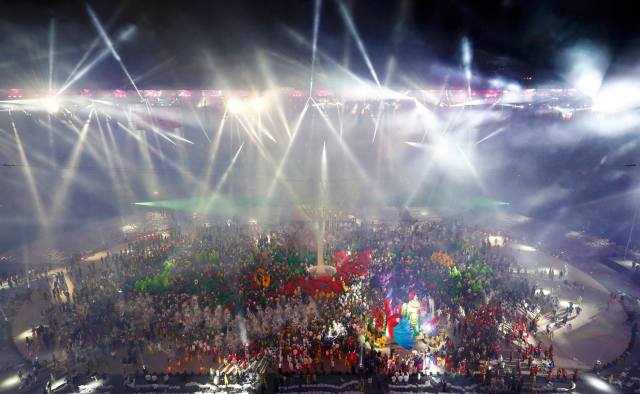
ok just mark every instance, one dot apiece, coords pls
pixel 61 193
pixel 213 153
pixel 111 170
pixel 129 131
pixel 8 139
pixel 269 159
pixel 633 225
pixel 91 150
pixel 324 177
pixel 84 57
pixel 472 169
pixel 264 68
pixel 223 179
pixel 113 148
pixel 199 122
pixel 154 69
pixel 226 173
pixel 348 20
pixel 251 133
pixel 278 173
pixel 416 189
pixel 302 40
pixel 151 182
pixel 466 62
pixel 492 134
pixel 112 49
pixel 316 25
pixel 160 155
pixel 77 75
pixel 96 41
pixel 179 138
pixel 348 151
pixel 146 148
pixel 391 65
pixel 138 119
pixel 33 189
pixel 52 35
pixel 248 127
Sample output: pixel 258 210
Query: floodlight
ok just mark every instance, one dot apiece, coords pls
pixel 51 104
pixel 234 105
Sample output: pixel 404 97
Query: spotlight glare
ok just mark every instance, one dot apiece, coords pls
pixel 51 104
pixel 234 105
pixel 598 384
pixel 444 149
pixel 617 97
pixel 257 103
pixel 10 382
pixel 524 248
pixel 589 83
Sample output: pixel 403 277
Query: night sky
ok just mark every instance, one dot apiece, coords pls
pixel 193 43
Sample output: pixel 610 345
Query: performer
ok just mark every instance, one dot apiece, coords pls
pixel 411 310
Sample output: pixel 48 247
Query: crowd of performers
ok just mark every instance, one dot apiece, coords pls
pixel 406 299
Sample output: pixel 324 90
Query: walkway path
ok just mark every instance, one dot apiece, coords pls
pixel 597 333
